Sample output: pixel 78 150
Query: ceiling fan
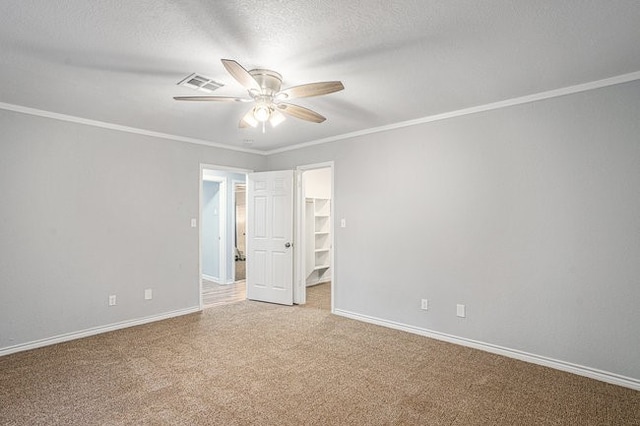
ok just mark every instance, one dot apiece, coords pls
pixel 271 103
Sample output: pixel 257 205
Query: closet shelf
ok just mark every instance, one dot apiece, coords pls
pixel 318 240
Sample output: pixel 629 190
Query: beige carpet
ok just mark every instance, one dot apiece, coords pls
pixel 319 296
pixel 256 363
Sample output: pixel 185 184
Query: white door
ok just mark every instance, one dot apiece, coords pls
pixel 270 237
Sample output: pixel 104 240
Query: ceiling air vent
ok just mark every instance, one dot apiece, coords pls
pixel 200 82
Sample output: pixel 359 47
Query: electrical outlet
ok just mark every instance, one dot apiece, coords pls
pixel 148 294
pixel 424 304
pixel 461 311
pixel 112 300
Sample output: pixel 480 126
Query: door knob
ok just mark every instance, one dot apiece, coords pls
pixel 287 245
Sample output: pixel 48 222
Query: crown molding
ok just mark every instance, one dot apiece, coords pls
pixel 570 90
pixel 598 84
pixel 120 128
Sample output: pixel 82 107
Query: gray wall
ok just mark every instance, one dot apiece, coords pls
pixel 86 212
pixel 210 224
pixel 529 215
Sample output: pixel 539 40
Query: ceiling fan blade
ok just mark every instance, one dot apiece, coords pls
pixel 300 112
pixel 211 98
pixel 241 75
pixel 311 89
pixel 248 120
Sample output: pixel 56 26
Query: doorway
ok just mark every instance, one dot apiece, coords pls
pixel 315 265
pixel 322 222
pixel 220 194
pixel 240 231
pixel 214 193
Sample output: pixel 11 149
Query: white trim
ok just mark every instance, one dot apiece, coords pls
pixel 200 189
pixel 231 276
pixel 120 128
pixel 234 220
pixel 95 330
pixel 217 168
pixel 569 367
pixel 211 278
pixel 569 90
pixel 625 78
pixel 299 281
pixel 222 218
pixel 222 227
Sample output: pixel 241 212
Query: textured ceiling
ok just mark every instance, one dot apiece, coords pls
pixel 118 61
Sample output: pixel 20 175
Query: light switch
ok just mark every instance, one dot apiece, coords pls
pixel 461 311
pixel 193 223
pixel 343 223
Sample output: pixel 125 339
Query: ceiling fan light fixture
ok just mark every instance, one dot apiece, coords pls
pixel 276 118
pixel 261 113
pixel 250 120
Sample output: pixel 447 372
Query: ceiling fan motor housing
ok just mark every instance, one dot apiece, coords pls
pixel 269 81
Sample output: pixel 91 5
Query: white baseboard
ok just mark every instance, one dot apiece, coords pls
pixel 569 367
pixel 95 330
pixel 210 278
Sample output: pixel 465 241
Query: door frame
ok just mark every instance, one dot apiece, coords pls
pixel 222 226
pixel 300 282
pixel 224 254
pixel 234 184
